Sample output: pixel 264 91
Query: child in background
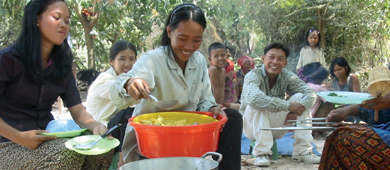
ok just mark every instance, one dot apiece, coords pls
pixel 231 87
pixel 311 52
pixel 228 53
pixel 217 57
pixel 314 74
pixel 247 64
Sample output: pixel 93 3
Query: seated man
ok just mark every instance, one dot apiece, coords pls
pixel 264 106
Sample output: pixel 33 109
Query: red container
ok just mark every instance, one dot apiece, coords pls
pixel 177 141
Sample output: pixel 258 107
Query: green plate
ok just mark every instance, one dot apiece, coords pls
pixel 101 147
pixel 66 134
pixel 344 97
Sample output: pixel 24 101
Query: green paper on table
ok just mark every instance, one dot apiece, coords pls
pixel 101 147
pixel 344 97
pixel 66 134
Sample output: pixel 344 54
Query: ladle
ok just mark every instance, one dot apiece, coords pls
pixel 164 104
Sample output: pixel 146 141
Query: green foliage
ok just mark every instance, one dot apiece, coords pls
pixel 11 12
pixel 119 19
pixel 357 30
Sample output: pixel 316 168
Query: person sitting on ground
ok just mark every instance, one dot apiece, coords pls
pixel 342 79
pixel 231 87
pixel 176 71
pixel 263 105
pixel 122 57
pixel 246 64
pixel 33 73
pixel 314 75
pixel 359 146
pixel 217 57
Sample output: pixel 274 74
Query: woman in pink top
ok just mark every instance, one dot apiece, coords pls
pixel 314 74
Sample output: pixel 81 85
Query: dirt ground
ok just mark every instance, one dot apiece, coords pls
pixel 283 163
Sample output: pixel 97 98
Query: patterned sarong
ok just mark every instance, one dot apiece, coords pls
pixel 50 155
pixel 355 147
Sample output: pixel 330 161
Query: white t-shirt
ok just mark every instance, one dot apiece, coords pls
pixel 308 55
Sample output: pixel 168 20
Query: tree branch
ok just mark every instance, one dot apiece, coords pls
pixel 94 19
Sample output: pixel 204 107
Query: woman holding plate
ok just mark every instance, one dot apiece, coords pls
pixel 33 73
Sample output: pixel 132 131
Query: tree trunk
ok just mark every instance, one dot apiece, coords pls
pixel 89 43
pixel 88 24
pixel 321 27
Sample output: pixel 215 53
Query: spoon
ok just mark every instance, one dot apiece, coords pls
pixel 163 103
pixel 90 145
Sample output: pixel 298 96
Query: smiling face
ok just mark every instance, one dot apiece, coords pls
pixel 313 39
pixel 185 40
pixel 218 57
pixel 124 61
pixel 54 24
pixel 274 62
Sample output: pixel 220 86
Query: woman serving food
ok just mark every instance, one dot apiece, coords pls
pixel 176 71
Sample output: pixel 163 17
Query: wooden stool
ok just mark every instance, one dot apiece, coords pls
pixel 274 149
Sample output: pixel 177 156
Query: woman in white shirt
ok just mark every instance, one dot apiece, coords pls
pixel 176 71
pixel 122 58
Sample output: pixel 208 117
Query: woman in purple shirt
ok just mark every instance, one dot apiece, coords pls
pixel 33 73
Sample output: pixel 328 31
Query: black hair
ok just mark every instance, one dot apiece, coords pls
pixel 314 73
pixel 215 46
pixel 179 13
pixel 29 45
pixel 120 46
pixel 306 43
pixel 342 62
pixel 277 45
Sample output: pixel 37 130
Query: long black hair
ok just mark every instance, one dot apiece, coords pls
pixel 29 45
pixel 180 13
pixel 342 62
